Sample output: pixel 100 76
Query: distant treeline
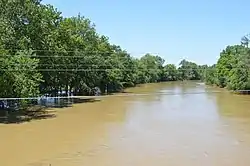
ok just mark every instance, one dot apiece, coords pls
pixel 42 52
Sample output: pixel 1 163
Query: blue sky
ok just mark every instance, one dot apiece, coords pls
pixel 192 29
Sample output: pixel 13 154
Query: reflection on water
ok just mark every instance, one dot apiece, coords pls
pixel 183 129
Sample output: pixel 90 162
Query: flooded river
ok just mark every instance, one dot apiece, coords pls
pixel 194 127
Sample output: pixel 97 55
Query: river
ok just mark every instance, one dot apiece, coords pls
pixel 193 126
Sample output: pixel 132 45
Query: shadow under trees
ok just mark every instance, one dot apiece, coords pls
pixel 37 110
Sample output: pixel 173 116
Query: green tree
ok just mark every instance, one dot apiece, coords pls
pixel 20 77
pixel 170 73
pixel 188 70
pixel 210 75
pixel 229 58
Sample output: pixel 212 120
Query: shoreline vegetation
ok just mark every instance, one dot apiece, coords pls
pixel 43 53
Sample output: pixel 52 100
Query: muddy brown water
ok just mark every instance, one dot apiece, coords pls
pixel 208 129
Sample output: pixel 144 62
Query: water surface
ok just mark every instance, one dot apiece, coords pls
pixel 194 127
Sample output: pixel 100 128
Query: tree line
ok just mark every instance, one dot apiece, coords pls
pixel 42 52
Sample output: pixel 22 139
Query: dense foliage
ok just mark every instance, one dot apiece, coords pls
pixel 45 53
pixel 42 52
pixel 232 69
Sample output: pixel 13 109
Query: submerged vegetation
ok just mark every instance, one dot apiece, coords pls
pixel 42 52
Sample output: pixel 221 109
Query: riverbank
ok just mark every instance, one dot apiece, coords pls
pixel 238 92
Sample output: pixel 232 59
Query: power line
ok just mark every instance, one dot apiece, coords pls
pixel 126 95
pixel 93 64
pixel 54 56
pixel 118 95
pixel 48 50
pixel 64 70
pixel 74 51
pixel 93 69
pixel 81 51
